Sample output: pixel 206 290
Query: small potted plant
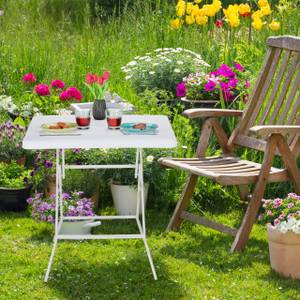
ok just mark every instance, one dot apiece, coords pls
pixel 283 223
pixel 226 86
pixel 15 186
pixel 11 136
pixel 74 204
pixel 162 70
pixel 98 86
pixel 123 183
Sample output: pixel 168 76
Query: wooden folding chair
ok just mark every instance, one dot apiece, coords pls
pixel 270 123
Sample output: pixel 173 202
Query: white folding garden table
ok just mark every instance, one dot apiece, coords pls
pixel 98 136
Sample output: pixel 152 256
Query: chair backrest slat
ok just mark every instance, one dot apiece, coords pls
pixel 275 99
pixel 285 87
pixel 293 109
pixel 284 65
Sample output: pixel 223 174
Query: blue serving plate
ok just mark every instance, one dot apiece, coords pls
pixel 127 128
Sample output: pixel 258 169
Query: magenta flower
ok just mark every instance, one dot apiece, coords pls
pixel 42 89
pixel 74 93
pixel 64 96
pixel 29 78
pixel 232 83
pixel 57 84
pixel 225 71
pixel 181 90
pixel 247 84
pixel 210 86
pixel 238 67
pixel 290 205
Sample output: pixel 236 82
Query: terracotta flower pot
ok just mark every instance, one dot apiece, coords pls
pixel 284 252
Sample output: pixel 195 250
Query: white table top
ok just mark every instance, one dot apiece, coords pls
pixel 99 136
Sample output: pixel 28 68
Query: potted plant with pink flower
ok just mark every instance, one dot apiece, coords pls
pixel 42 98
pixel 75 204
pixel 97 86
pixel 226 85
pixel 282 217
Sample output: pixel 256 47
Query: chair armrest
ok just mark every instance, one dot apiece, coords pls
pixel 265 130
pixel 211 112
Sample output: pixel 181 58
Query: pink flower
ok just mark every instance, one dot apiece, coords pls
pixel 276 222
pixel 290 205
pixel 238 67
pixel 281 216
pixel 269 213
pixel 106 75
pixel 209 86
pixel 29 78
pixel 90 78
pixel 42 89
pixel 57 84
pixel 74 93
pixel 64 96
pixel 181 90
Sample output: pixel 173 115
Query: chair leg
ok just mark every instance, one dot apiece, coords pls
pixel 243 233
pixel 182 204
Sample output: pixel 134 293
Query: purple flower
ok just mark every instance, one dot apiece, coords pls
pixel 210 86
pixel 238 67
pixel 26 180
pixel 181 90
pixel 29 200
pixel 48 164
pixel 77 150
pixel 50 219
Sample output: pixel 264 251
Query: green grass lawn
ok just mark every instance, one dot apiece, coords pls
pixel 191 264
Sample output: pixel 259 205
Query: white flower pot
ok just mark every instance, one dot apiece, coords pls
pixel 76 227
pixel 125 198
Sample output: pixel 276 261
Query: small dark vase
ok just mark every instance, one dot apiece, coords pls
pixel 99 108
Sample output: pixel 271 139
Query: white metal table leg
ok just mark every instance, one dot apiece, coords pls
pixel 51 259
pixel 57 206
pixel 141 199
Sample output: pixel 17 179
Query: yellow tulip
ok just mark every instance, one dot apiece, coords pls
pixel 201 20
pixel 233 20
pixel 175 24
pixel 257 23
pixel 217 4
pixel 180 8
pixel 266 10
pixel 257 14
pixel 262 3
pixel 244 10
pixel 189 20
pixel 231 9
pixel 274 25
pixel 189 8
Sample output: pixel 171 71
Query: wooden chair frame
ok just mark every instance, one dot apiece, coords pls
pixel 273 139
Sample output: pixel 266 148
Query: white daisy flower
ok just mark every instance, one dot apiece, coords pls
pixel 177 70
